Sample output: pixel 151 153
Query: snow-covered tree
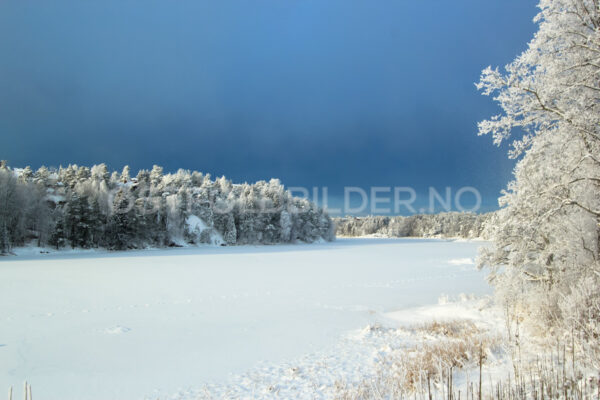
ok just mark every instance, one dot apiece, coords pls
pixel 156 177
pixel 100 173
pixel 9 208
pixel 546 248
pixel 124 178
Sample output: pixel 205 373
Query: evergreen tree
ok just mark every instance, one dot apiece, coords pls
pixel 4 241
pixel 58 237
pixel 122 223
pixel 125 174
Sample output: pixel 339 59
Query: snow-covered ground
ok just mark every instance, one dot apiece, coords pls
pixel 177 323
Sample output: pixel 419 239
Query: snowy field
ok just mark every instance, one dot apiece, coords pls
pixel 165 323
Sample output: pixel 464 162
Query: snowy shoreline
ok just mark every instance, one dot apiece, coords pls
pixel 34 251
pixel 29 252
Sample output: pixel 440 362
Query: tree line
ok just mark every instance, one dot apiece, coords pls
pixel 446 225
pixel 81 207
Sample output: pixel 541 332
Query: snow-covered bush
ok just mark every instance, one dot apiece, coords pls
pixel 544 263
pixel 91 207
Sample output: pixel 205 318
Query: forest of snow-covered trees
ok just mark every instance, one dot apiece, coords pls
pixel 447 225
pixel 81 207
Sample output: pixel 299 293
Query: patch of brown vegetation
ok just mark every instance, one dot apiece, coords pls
pixel 425 367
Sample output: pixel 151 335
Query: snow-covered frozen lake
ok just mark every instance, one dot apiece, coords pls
pixel 130 325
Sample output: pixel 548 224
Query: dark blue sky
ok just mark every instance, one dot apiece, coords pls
pixel 314 92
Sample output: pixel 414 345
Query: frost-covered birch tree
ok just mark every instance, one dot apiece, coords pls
pixel 544 262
